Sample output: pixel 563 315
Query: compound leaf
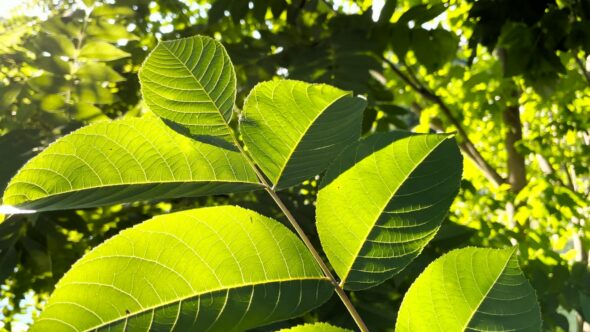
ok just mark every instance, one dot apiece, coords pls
pixel 221 268
pixel 191 82
pixel 293 129
pixel 471 289
pixel 123 161
pixel 382 201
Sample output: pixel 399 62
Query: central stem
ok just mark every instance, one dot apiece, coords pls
pixel 316 255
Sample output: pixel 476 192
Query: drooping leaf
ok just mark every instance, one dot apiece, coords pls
pixel 471 289
pixel 382 201
pixel 212 269
pixel 315 327
pixel 293 129
pixel 123 161
pixel 102 51
pixel 191 82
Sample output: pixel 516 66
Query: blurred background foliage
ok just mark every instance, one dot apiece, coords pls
pixel 510 77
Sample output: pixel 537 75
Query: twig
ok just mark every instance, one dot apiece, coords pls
pixel 316 255
pixel 467 145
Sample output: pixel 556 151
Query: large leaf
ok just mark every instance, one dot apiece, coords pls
pixel 382 201
pixel 213 269
pixel 315 327
pixel 293 129
pixel 191 82
pixel 471 289
pixel 123 161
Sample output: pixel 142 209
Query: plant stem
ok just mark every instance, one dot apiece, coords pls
pixel 316 255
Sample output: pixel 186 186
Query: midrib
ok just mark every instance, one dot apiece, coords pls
pixel 393 193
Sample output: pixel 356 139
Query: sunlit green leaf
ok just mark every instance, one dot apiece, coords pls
pixel 471 289
pixel 316 327
pixel 191 82
pixel 212 269
pixel 293 129
pixel 382 201
pixel 123 161
pixel 103 51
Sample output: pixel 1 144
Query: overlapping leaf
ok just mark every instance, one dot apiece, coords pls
pixel 382 201
pixel 212 269
pixel 471 289
pixel 315 327
pixel 293 129
pixel 122 161
pixel 191 82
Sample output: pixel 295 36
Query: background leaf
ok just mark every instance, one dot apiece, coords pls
pixel 191 82
pixel 103 51
pixel 215 269
pixel 471 289
pixel 315 327
pixel 123 161
pixel 293 129
pixel 382 201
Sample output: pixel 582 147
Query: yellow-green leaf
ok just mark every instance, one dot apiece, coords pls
pixel 212 269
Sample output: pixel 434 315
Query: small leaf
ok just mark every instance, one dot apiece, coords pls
pixel 102 51
pixel 212 269
pixel 471 289
pixel 191 82
pixel 293 129
pixel 123 161
pixel 382 201
pixel 315 327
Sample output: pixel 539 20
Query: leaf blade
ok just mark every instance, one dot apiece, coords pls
pixel 484 290
pixel 195 91
pixel 115 162
pixel 377 209
pixel 294 129
pixel 224 249
pixel 315 327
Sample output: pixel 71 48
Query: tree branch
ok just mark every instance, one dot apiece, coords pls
pixel 516 162
pixel 466 145
pixel 582 67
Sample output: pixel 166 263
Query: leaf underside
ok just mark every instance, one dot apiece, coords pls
pixel 191 82
pixel 293 130
pixel 471 289
pixel 216 269
pixel 123 161
pixel 382 201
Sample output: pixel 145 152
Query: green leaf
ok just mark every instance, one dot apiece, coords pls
pixel 191 82
pixel 422 13
pixel 123 161
pixel 98 72
pixel 293 129
pixel 211 269
pixel 315 327
pixel 445 44
pixel 102 51
pixel 382 201
pixel 471 289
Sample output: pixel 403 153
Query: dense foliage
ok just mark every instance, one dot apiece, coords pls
pixel 509 77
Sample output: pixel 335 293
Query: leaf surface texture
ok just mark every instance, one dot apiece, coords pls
pixel 382 201
pixel 293 129
pixel 191 82
pixel 212 269
pixel 471 289
pixel 123 161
